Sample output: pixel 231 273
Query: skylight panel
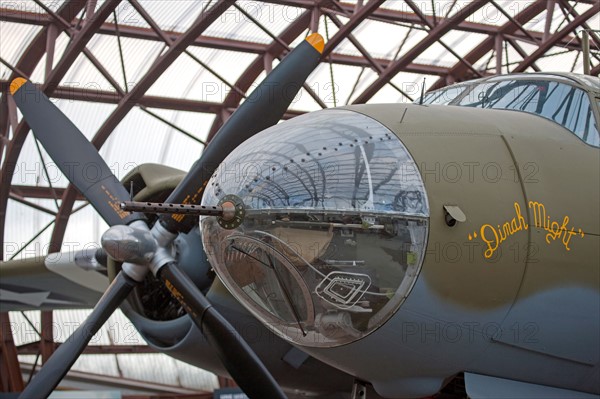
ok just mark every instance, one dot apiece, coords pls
pixel 489 14
pixel 175 15
pixel 83 74
pixel 233 24
pixel 22 224
pixel 127 15
pixel 436 54
pixel 15 40
pixel 370 33
pixel 229 65
pixel 344 78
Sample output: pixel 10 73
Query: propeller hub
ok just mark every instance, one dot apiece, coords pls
pixel 129 244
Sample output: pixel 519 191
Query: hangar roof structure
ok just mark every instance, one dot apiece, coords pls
pixel 152 81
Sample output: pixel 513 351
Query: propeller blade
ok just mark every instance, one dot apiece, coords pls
pixel 239 359
pixel 74 155
pixel 264 108
pixel 67 353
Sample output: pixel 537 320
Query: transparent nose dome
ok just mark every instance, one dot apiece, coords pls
pixel 334 230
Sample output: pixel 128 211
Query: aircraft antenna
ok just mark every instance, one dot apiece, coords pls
pixel 422 92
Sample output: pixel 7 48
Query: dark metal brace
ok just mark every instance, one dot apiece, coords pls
pixel 359 390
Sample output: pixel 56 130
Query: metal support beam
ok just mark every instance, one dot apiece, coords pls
pixel 522 53
pixel 434 34
pixel 376 66
pixel 514 21
pixel 12 114
pixel 314 19
pixel 136 32
pixel 459 72
pixel 22 200
pixel 80 40
pixel 549 15
pixel 498 50
pixel 10 375
pixel 343 32
pixel 381 14
pixel 46 337
pixel 39 192
pixel 50 45
pixel 592 32
pixel 553 39
pixel 268 58
pixel 417 11
pixel 585 48
pixel 90 9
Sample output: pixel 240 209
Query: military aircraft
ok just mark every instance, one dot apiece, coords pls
pixel 380 249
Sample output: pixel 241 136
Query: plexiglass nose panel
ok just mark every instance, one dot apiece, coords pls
pixel 334 231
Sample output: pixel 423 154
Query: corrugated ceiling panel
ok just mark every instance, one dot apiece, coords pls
pixel 84 229
pixel 233 24
pixel 141 138
pixel 387 94
pixel 276 18
pixel 370 33
pixel 172 15
pixel 561 58
pixel 415 36
pixel 15 40
pixel 344 78
pixel 368 77
pixel 32 6
pixel 138 55
pixel 84 74
pixel 228 64
pixel 179 150
pixel 462 42
pixel 22 224
pixel 185 78
pixel 126 14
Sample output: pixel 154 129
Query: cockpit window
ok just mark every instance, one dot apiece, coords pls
pixel 564 104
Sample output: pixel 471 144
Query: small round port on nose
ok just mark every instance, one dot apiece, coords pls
pixel 453 214
pixel 450 221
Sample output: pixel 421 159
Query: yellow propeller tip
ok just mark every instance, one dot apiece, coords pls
pixel 316 41
pixel 16 85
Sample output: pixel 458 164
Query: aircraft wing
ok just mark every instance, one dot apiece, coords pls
pixel 49 282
